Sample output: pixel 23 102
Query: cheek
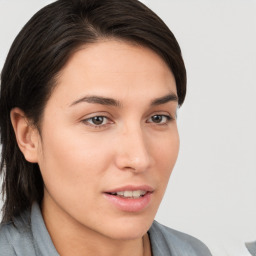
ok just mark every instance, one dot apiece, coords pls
pixel 166 152
pixel 72 164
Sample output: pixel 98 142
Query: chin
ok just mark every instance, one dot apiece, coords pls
pixel 129 229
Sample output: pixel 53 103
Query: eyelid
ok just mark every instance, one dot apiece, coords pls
pixel 96 114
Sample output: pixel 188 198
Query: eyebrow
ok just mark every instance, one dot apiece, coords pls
pixel 98 100
pixel 116 103
pixel 164 99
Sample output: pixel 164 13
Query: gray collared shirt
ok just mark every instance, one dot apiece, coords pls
pixel 29 236
pixel 251 248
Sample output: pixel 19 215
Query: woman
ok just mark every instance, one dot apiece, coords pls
pixel 89 93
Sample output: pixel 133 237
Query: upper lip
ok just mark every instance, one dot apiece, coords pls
pixel 146 188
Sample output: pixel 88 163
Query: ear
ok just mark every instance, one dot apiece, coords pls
pixel 27 135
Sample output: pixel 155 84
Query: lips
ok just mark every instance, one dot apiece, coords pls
pixel 130 198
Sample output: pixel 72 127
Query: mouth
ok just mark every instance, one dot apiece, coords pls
pixel 129 193
pixel 130 198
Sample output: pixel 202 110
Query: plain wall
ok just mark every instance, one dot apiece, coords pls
pixel 212 192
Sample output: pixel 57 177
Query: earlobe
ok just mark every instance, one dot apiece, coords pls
pixel 27 135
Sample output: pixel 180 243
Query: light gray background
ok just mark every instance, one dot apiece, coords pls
pixel 212 192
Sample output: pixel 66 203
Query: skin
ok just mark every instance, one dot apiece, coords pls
pixel 79 160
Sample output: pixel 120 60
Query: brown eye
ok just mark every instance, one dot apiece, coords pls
pixel 157 119
pixel 97 120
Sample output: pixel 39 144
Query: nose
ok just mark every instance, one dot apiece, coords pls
pixel 133 151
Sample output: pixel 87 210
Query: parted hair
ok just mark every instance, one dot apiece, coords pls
pixel 38 54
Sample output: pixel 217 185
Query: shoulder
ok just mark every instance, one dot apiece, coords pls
pixel 6 247
pixel 251 248
pixel 16 237
pixel 166 241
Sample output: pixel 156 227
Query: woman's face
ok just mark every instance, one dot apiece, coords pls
pixel 109 140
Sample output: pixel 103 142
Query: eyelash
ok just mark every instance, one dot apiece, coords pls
pixel 89 121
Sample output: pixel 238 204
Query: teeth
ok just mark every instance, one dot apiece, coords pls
pixel 136 194
pixel 128 193
pixel 131 194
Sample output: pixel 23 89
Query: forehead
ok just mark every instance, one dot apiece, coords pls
pixel 108 67
pixel 117 51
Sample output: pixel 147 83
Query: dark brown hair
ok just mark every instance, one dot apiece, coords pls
pixel 38 54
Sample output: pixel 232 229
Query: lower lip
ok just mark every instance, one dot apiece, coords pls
pixel 130 204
